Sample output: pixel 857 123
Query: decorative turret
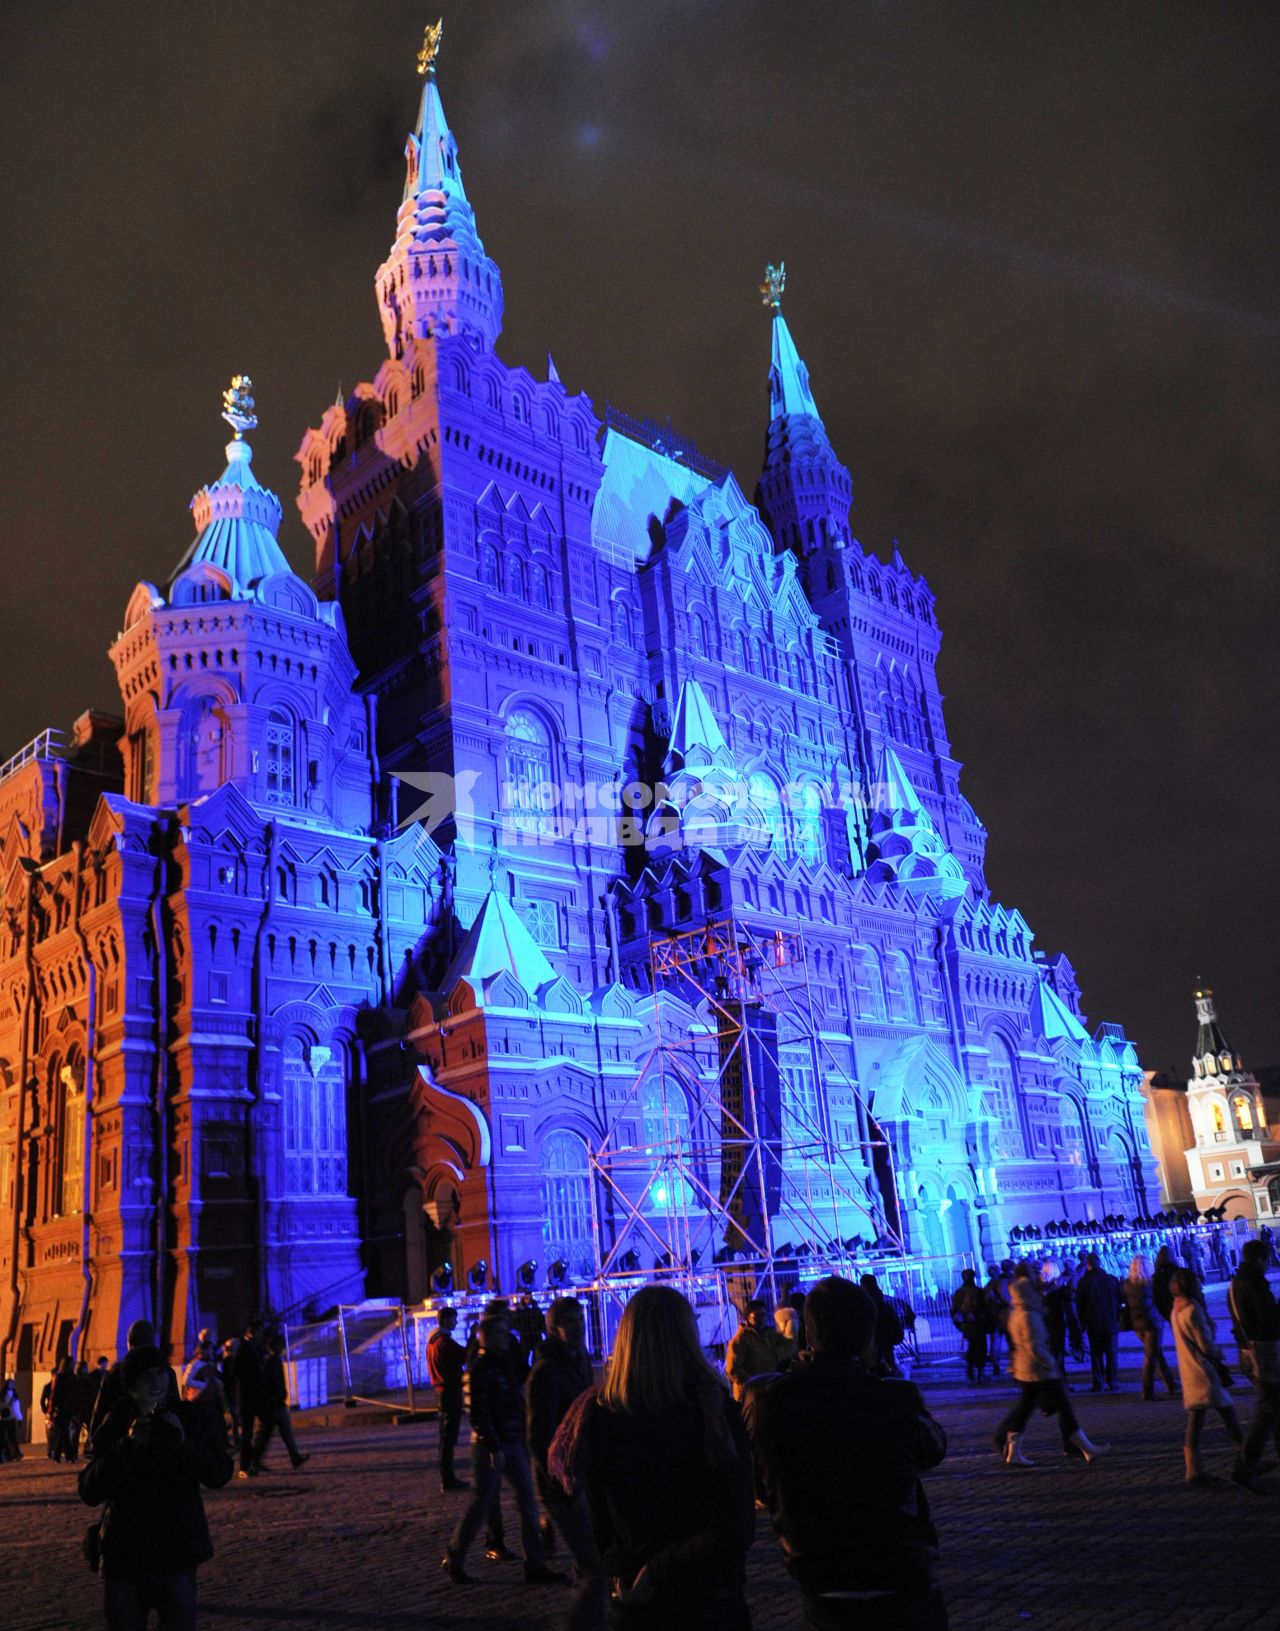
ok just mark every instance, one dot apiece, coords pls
pixel 437 279
pixel 237 519
pixel 1213 1055
pixel 804 492
pixel 906 848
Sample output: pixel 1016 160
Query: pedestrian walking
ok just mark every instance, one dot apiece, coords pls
pixel 10 1420
pixel 1098 1302
pixel 1166 1266
pixel 1256 1326
pixel 246 1392
pixel 1205 1377
pixel 995 1304
pixel 273 1408
pixel 562 1373
pixel 754 1348
pixel 839 1451
pixel 500 1451
pixel 529 1329
pixel 1039 1377
pixel 446 1360
pixel 968 1318
pixel 151 1455
pixel 663 1456
pixel 63 1394
pixel 1145 1322
pixel 227 1384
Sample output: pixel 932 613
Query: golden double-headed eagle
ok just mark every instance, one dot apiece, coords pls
pixel 430 46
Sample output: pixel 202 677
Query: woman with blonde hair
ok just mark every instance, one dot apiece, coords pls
pixel 1145 1322
pixel 663 1456
pixel 1205 1377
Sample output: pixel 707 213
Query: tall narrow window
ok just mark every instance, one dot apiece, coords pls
pixel 529 782
pixel 566 1202
pixel 807 815
pixel 1001 1101
pixel 667 1139
pixel 71 1142
pixel 801 1126
pixel 315 1121
pixel 766 804
pixel 281 783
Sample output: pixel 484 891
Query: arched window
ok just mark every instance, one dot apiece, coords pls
pixel 1219 1119
pixel 801 1123
pixel 315 1120
pixel 515 575
pixel 70 1137
pixel 541 591
pixel 566 1202
pixel 623 622
pixel 1244 1113
pixel 868 987
pixel 744 651
pixel 665 1113
pixel 900 987
pixel 529 781
pixel 281 784
pixel 489 571
pixel 1001 1101
pixel 767 804
pixel 701 640
pixel 807 815
pixel 1071 1135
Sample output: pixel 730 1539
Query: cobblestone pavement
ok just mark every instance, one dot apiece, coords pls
pixel 353 1540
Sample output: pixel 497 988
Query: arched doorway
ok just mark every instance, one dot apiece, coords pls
pixel 959 1222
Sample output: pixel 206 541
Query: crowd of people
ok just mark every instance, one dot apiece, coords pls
pixel 651 1480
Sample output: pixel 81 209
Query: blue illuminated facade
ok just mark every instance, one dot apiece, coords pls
pixel 275 1042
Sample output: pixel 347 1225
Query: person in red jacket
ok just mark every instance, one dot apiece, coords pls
pixel 446 1361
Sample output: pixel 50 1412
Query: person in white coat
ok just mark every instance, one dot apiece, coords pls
pixel 1037 1372
pixel 1204 1375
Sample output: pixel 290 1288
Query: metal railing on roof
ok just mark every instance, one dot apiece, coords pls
pixel 50 744
pixel 663 438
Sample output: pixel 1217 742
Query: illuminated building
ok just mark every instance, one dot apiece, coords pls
pixel 362 1046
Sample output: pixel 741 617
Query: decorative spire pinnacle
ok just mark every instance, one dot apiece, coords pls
pixel 237 405
pixel 430 47
pixel 775 281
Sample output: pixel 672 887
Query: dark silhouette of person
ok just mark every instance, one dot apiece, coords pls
pixel 151 1455
pixel 273 1408
pixel 1255 1321
pixel 561 1374
pixel 1098 1300
pixel 967 1317
pixel 839 1450
pixel 446 1360
pixel 246 1393
pixel 498 1428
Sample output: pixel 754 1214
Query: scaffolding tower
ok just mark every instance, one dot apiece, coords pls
pixel 742 1148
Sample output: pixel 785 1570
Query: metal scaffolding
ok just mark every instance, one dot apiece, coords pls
pixel 743 1147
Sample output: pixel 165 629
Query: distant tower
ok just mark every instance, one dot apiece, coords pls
pixel 1229 1120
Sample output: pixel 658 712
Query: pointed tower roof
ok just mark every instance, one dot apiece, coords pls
pixel 437 279
pixel 498 942
pixel 893 793
pixel 1212 1047
pixel 1052 1019
pixel 789 390
pixel 695 733
pixel 237 519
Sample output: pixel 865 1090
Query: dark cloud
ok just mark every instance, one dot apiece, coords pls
pixel 1033 263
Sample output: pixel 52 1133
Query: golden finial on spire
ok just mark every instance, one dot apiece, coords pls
pixel 775 281
pixel 430 47
pixel 237 405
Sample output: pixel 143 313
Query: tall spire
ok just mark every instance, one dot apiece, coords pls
pixel 437 279
pixel 1213 1052
pixel 237 519
pixel 807 513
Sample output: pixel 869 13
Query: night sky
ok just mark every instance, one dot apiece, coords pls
pixel 1033 269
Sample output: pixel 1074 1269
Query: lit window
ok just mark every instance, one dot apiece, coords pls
pixel 280 769
pixel 529 778
pixel 566 1202
pixel 315 1121
pixel 808 820
pixel 71 1136
pixel 667 1143
pixel 1244 1113
pixel 1219 1119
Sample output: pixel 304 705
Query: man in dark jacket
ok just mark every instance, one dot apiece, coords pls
pixel 562 1372
pixel 497 1427
pixel 141 1334
pixel 246 1395
pixel 888 1331
pixel 995 1309
pixel 446 1360
pixel 1255 1321
pixel 273 1407
pixel 840 1451
pixel 1098 1299
pixel 150 1457
pixel 967 1317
